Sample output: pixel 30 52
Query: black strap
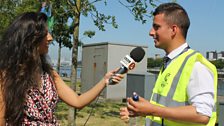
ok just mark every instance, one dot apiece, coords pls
pixel 162 122
pixel 185 50
pixel 165 61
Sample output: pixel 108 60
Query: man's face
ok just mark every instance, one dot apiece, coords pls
pixel 161 32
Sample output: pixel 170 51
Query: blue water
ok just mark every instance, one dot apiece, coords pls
pixel 65 71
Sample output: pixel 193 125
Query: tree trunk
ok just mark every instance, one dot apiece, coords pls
pixel 59 56
pixel 72 111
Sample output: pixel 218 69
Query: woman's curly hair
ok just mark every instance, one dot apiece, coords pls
pixel 21 63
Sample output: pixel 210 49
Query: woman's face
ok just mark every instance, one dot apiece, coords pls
pixel 44 45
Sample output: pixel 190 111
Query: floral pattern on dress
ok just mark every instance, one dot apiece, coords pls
pixel 40 104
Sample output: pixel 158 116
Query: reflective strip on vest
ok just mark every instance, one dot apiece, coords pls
pixel 149 122
pixel 167 100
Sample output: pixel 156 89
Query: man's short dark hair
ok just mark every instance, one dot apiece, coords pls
pixel 174 14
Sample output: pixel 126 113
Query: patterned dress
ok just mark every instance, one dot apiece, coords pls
pixel 40 104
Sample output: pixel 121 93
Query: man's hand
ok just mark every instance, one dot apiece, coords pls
pixel 181 113
pixel 136 108
pixel 140 108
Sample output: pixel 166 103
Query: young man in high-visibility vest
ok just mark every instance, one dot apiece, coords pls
pixel 185 92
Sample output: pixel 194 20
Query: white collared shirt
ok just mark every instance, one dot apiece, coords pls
pixel 200 89
pixel 172 55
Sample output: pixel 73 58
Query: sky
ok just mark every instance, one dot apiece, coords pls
pixel 205 32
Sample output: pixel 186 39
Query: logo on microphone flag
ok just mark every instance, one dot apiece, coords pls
pixel 131 66
pixel 128 62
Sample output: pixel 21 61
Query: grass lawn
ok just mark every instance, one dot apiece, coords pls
pixel 105 113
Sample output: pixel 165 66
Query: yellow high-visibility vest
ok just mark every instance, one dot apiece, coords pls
pixel 171 87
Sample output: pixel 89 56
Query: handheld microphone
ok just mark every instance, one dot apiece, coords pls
pixel 129 62
pixel 135 96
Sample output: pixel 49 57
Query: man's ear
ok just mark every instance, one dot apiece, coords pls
pixel 174 30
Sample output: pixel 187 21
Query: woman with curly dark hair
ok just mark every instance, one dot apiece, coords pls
pixel 29 87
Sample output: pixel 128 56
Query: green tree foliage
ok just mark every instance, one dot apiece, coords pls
pixel 61 29
pixel 6 14
pixel 9 9
pixel 88 8
pixel 89 33
pixel 152 63
pixel 141 9
pixel 218 63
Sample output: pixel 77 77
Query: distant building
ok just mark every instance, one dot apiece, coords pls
pixel 214 55
pixel 65 63
pixel 220 55
pixel 99 58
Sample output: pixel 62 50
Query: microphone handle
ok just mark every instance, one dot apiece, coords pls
pixel 122 70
